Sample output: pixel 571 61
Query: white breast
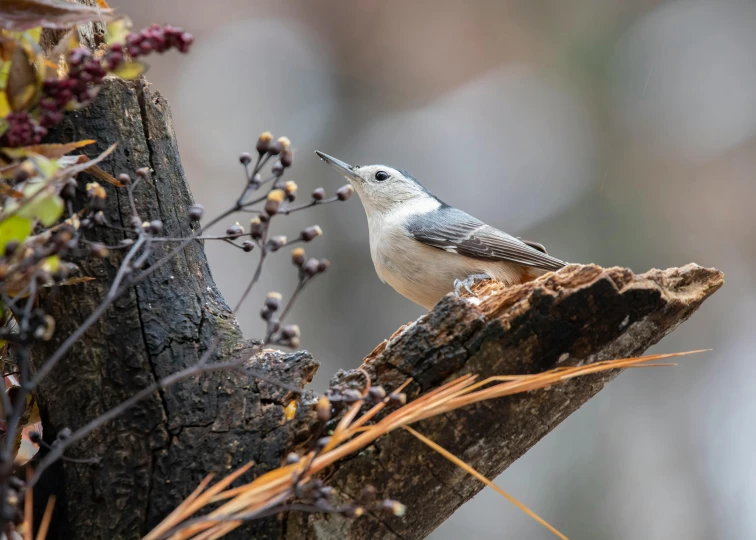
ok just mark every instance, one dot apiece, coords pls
pixel 419 272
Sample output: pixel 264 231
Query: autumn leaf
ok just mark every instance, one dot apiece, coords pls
pixel 50 151
pixel 82 165
pixel 26 14
pixel 47 207
pixel 7 46
pixel 130 70
pixel 21 86
pixel 117 30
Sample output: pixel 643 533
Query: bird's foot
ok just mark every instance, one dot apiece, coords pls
pixel 459 284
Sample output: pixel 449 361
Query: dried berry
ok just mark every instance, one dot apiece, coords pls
pixel 323 409
pixel 323 265
pixel 351 395
pixel 274 200
pixel 318 194
pixel 256 228
pixel 392 508
pixel 248 246
pixel 310 232
pixel 298 256
pixel 245 158
pixel 290 331
pixel 275 148
pixel 376 393
pixel 352 511
pixel 156 226
pixel 196 211
pixel 277 242
pixel 273 301
pixel 397 398
pixel 310 267
pixel 263 142
pixel 344 192
pixel 287 158
pixel 68 191
pixel 98 250
pixel 235 230
pixel 290 188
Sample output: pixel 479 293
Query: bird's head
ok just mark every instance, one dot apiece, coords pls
pixel 381 188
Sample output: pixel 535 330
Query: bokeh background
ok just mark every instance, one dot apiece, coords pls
pixel 614 131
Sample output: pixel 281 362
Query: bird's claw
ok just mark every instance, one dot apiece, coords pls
pixel 469 280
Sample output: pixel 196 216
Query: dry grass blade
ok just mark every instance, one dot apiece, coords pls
pixel 198 498
pixel 468 469
pixel 28 508
pixel 178 513
pixel 274 488
pixel 540 381
pixel 44 525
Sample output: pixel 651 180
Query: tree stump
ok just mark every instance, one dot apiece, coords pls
pixel 156 453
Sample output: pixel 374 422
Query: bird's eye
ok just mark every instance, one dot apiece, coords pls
pixel 381 176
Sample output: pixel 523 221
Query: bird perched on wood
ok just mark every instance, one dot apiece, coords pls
pixel 425 248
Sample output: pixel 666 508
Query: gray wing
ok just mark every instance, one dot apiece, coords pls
pixel 456 231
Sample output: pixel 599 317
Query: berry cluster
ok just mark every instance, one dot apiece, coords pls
pixel 85 75
pixel 156 38
pixel 22 130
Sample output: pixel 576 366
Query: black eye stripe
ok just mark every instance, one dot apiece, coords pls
pixel 381 176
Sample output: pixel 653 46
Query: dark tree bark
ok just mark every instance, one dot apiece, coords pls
pixel 157 452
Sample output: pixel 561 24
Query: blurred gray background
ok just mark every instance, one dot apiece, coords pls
pixel 615 132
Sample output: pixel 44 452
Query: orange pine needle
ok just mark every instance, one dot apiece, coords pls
pixel 44 525
pixel 469 470
pixel 352 434
pixel 28 508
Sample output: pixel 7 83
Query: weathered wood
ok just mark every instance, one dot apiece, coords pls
pixel 156 453
pixel 579 315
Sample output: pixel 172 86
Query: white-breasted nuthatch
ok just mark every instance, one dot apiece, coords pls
pixel 425 248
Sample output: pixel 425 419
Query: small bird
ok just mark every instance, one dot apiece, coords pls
pixel 425 248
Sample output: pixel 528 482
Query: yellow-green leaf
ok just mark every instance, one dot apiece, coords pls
pixel 47 208
pixel 22 79
pixel 14 228
pixel 51 264
pixel 34 34
pixel 130 70
pixel 46 167
pixel 117 30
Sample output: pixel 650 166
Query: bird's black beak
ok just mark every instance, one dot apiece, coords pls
pixel 344 168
